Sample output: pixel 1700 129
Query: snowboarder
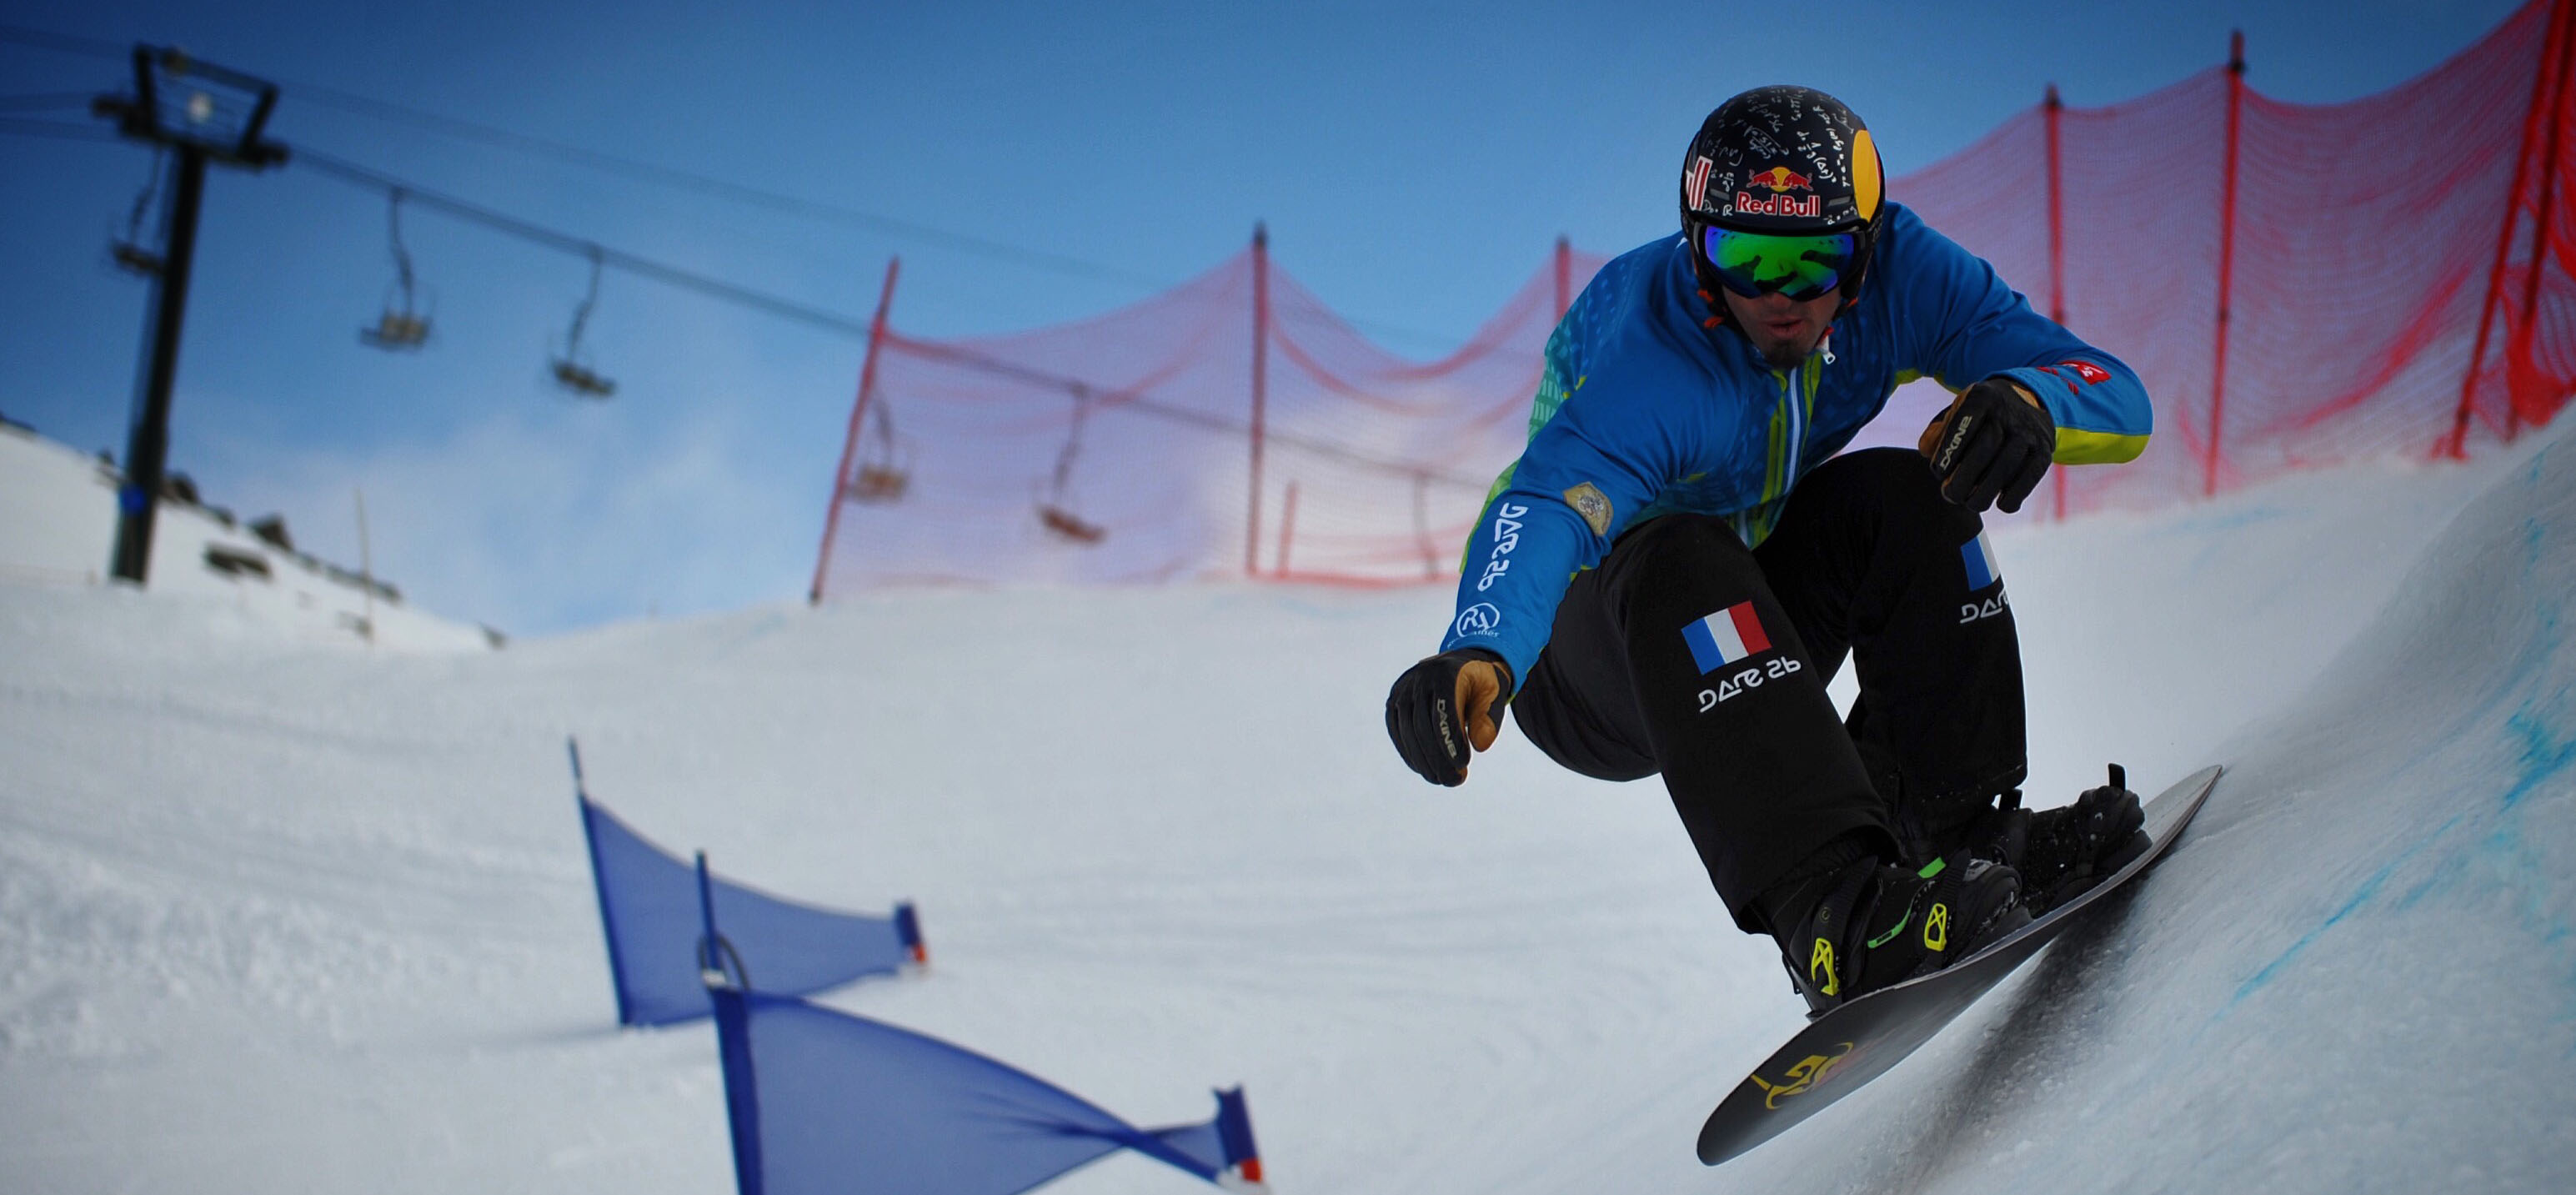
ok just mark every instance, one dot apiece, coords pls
pixel 1678 562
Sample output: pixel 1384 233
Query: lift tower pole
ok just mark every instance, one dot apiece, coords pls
pixel 211 125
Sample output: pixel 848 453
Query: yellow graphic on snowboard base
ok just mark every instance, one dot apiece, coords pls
pixel 1802 1078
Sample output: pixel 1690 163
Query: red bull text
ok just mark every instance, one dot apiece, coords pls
pixel 1779 180
pixel 1778 205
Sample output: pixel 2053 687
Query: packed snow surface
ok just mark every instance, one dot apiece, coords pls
pixel 279 912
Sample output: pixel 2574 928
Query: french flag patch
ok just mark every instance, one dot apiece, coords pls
pixel 1980 559
pixel 1723 638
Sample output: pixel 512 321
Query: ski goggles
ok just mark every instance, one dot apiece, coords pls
pixel 1753 264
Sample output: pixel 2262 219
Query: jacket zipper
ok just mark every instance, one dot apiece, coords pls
pixel 1790 386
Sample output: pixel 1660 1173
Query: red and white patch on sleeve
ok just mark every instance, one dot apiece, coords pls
pixel 2092 374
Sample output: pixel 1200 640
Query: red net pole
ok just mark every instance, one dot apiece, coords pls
pixel 850 442
pixel 2541 83
pixel 1564 276
pixel 1260 384
pixel 1287 528
pixel 2056 250
pixel 2545 234
pixel 2226 258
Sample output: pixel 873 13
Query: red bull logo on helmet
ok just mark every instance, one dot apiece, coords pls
pixel 1779 181
pixel 1780 178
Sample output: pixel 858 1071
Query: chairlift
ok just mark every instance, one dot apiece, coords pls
pixel 1056 513
pixel 887 471
pixel 402 327
pixel 571 371
pixel 135 259
pixel 128 251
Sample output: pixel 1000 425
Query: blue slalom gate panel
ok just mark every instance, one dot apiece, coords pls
pixel 822 1101
pixel 650 909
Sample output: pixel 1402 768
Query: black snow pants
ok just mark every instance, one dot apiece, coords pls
pixel 1687 654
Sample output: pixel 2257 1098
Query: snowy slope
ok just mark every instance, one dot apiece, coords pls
pixel 276 915
pixel 58 528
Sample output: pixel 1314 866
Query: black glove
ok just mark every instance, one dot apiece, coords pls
pixel 1443 705
pixel 1991 441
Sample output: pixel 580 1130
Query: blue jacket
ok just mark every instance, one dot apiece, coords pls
pixel 1645 410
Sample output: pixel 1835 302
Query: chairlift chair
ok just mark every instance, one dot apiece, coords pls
pixel 581 381
pixel 887 471
pixel 1055 511
pixel 396 331
pixel 134 259
pixel 570 370
pixel 880 483
pixel 1070 526
pixel 402 327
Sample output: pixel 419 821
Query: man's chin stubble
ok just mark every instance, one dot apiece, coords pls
pixel 1784 355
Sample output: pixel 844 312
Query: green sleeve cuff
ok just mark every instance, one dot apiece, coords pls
pixel 2076 446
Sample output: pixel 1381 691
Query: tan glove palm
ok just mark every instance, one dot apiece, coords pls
pixel 1446 708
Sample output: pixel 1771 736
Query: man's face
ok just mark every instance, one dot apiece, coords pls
pixel 1782 329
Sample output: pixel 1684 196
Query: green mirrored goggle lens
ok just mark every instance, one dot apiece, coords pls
pixel 1753 264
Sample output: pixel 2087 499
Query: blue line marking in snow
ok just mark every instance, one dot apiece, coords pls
pixel 2369 888
pixel 2545 751
pixel 2541 758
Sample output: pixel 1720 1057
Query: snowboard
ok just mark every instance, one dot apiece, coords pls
pixel 1854 1043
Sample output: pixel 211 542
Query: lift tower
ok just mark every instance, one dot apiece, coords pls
pixel 203 113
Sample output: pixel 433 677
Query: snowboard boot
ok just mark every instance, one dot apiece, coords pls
pixel 1849 925
pixel 2071 848
pixel 2001 834
pixel 1948 825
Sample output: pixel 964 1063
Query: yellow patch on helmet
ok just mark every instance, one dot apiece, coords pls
pixel 1864 168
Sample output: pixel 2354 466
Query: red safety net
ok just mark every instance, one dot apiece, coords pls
pixel 1231 426
pixel 2297 285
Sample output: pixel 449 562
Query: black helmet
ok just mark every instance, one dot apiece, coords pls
pixel 1783 161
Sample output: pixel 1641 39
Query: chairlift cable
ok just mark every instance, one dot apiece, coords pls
pixel 44 101
pixel 45 40
pixel 352 173
pixel 687 180
pixel 333 97
pixel 365 178
pixel 1060 263
pixel 59 129
pixel 565 242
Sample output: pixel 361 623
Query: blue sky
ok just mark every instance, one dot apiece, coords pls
pixel 1413 162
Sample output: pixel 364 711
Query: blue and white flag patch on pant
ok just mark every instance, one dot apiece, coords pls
pixel 1980 559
